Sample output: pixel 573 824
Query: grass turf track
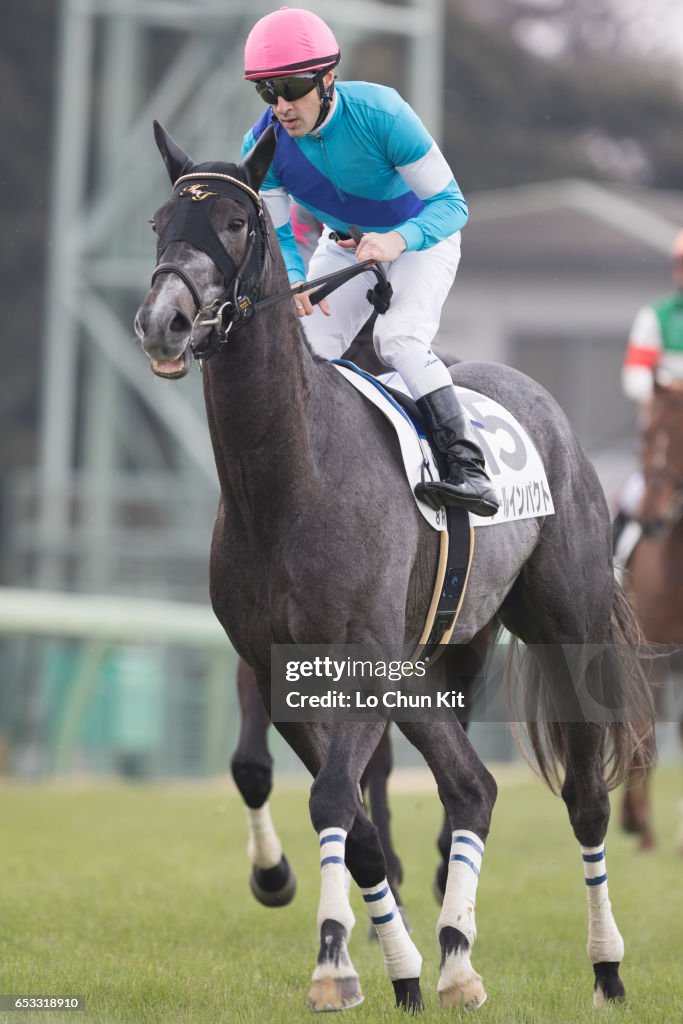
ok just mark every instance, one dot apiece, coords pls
pixel 136 897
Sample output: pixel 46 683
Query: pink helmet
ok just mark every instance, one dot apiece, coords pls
pixel 288 41
pixel 677 246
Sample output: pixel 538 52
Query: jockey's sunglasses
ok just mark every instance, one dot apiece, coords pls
pixel 290 87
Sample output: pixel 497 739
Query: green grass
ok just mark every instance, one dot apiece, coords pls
pixel 137 899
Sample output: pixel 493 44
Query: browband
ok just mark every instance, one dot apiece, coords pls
pixel 199 175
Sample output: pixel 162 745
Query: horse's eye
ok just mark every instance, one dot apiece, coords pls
pixel 154 227
pixel 237 224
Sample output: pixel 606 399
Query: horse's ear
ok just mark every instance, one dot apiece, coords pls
pixel 176 159
pixel 257 161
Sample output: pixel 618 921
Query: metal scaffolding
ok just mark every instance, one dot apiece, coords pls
pixel 127 479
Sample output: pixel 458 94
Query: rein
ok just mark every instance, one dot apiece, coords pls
pixel 232 313
pixel 235 307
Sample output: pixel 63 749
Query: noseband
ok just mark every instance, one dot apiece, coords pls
pixel 240 300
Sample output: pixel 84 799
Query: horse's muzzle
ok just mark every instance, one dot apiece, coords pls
pixel 173 369
pixel 164 335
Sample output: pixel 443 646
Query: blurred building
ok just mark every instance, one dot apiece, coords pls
pixel 125 495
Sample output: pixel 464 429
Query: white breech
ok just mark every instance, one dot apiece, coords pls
pixel 402 336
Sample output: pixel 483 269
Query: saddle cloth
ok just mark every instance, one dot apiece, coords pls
pixel 512 460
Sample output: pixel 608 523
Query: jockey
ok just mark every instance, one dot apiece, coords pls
pixel 356 154
pixel 655 350
pixel 655 346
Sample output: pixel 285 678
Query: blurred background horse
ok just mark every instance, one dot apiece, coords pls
pixel 654 572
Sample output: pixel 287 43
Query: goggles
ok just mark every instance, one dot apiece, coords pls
pixel 290 87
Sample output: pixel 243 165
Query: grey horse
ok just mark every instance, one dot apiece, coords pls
pixel 318 540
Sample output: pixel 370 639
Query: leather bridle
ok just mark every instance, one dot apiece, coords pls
pixel 241 297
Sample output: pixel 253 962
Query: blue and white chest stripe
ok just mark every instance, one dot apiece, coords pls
pixel 350 198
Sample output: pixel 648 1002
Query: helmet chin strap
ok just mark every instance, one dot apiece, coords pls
pixel 326 96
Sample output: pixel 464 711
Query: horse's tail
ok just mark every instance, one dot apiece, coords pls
pixel 541 715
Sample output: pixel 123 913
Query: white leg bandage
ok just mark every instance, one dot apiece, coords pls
pixel 457 911
pixel 467 850
pixel 264 849
pixel 334 901
pixel 401 956
pixel 604 941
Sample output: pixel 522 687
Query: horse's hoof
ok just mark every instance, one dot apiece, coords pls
pixel 326 994
pixel 408 995
pixel 273 887
pixel 608 986
pixel 466 995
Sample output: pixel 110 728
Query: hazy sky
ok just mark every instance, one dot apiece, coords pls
pixel 649 27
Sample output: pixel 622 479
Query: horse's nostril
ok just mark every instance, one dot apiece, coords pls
pixel 141 321
pixel 178 323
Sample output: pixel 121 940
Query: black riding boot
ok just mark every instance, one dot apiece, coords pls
pixel 467 483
